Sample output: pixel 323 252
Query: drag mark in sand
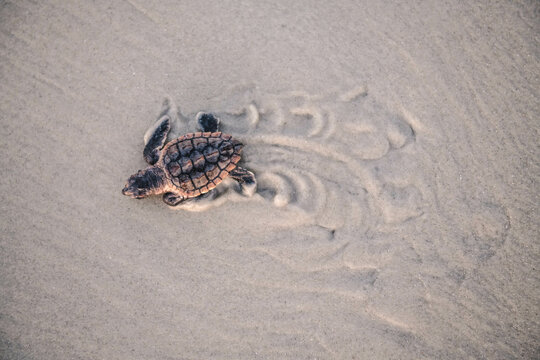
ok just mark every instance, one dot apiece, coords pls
pixel 318 154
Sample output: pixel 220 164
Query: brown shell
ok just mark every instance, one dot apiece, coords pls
pixel 197 162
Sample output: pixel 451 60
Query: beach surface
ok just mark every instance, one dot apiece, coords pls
pixel 396 149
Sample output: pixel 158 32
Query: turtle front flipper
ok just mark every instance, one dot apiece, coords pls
pixel 172 199
pixel 208 122
pixel 156 140
pixel 246 180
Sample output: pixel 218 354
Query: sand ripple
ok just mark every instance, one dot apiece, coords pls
pixel 318 155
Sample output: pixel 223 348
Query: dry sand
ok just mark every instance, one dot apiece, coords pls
pixel 396 147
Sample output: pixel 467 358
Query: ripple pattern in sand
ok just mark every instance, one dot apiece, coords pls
pixel 341 177
pixel 314 154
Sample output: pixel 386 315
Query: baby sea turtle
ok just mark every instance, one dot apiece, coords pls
pixel 190 165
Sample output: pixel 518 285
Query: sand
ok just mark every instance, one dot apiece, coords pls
pixel 396 151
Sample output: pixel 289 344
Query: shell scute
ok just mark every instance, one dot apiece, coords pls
pixel 235 158
pixel 223 164
pixel 199 179
pixel 198 160
pixel 185 147
pixel 200 143
pixel 174 168
pixel 173 153
pixel 211 154
pixel 208 169
pixel 215 141
pixel 184 179
pixel 231 167
pixel 186 164
pixel 226 149
pixel 213 173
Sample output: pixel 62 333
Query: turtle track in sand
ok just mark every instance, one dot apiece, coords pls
pixel 352 182
pixel 299 145
pixel 349 176
pixel 341 161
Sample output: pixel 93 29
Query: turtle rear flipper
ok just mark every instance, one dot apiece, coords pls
pixel 246 180
pixel 156 140
pixel 208 122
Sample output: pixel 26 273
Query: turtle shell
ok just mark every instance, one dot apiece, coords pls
pixel 196 163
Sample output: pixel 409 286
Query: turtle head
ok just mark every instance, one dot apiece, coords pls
pixel 144 183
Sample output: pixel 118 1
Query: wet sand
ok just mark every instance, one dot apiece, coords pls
pixel 396 152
